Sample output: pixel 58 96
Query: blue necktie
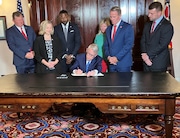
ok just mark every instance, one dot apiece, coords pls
pixel 87 66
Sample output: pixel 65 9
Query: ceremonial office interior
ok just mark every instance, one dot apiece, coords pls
pixel 87 14
pixel 83 13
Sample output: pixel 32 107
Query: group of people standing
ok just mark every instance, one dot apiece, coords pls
pixel 56 48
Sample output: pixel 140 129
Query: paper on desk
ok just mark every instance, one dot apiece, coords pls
pixel 84 74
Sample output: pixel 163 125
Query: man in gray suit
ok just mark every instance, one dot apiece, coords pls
pixel 157 34
pixel 20 40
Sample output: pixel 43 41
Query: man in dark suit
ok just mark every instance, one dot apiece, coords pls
pixel 70 38
pixel 157 34
pixel 20 40
pixel 89 62
pixel 119 43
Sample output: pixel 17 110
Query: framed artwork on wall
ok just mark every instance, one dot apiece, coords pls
pixel 3 27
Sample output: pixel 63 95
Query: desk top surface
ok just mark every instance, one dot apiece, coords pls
pixel 111 84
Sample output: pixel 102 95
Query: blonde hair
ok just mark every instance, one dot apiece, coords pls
pixel 94 47
pixel 43 27
pixel 103 21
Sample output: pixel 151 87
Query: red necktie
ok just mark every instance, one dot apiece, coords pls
pixel 153 27
pixel 25 36
pixel 114 32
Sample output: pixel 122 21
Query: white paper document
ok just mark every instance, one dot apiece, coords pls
pixel 84 74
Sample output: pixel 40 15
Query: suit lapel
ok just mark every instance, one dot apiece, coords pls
pixel 27 31
pixel 18 32
pixel 156 29
pixel 84 62
pixel 159 25
pixel 109 35
pixel 91 66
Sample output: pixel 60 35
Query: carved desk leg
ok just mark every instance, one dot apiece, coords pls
pixel 169 126
pixel 169 112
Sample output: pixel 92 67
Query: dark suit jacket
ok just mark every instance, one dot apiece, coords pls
pixel 156 44
pixel 19 45
pixel 41 53
pixel 80 62
pixel 73 38
pixel 122 45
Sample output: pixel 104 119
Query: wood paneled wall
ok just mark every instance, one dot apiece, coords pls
pixel 88 13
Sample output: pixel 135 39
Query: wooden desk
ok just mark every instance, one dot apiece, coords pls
pixel 130 93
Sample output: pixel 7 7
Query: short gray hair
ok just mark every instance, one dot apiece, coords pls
pixel 116 8
pixel 94 47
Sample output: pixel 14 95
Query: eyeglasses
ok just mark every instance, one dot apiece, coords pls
pixel 91 55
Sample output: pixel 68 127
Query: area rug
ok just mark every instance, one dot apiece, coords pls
pixel 66 125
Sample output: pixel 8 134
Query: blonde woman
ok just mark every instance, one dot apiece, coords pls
pixel 100 39
pixel 47 50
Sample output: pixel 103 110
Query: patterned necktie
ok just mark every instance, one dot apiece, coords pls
pixel 87 66
pixel 22 32
pixel 153 27
pixel 114 32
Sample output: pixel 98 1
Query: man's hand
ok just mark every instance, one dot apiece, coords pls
pixel 78 71
pixel 144 56
pixel 50 65
pixel 146 59
pixel 29 55
pixel 69 59
pixel 112 60
pixel 91 73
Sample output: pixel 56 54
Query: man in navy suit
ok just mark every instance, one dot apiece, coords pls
pixel 89 62
pixel 20 40
pixel 70 39
pixel 119 42
pixel 157 34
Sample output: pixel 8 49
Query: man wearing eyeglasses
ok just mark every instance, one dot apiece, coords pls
pixel 88 63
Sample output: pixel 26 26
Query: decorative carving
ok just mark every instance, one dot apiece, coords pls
pixel 25 107
pixel 120 107
pixel 169 119
pixel 6 106
pixel 147 108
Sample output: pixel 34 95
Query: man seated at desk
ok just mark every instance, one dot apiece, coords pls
pixel 88 63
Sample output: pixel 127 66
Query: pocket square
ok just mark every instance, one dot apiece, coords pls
pixel 71 31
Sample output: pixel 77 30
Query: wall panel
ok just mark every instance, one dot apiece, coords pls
pixel 88 13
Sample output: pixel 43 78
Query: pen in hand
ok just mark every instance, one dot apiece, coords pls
pixel 79 71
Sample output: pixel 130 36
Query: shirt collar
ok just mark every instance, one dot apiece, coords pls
pixel 117 24
pixel 63 25
pixel 158 20
pixel 19 28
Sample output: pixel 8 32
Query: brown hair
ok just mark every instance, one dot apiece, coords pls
pixel 16 14
pixel 156 5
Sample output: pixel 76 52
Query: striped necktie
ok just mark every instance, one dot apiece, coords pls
pixel 87 66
